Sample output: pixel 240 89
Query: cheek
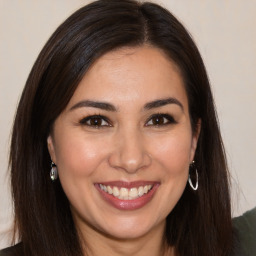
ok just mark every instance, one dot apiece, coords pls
pixel 78 156
pixel 172 153
pixel 78 159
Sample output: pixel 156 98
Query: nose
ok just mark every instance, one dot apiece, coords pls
pixel 130 152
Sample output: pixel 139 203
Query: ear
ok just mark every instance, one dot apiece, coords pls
pixel 195 139
pixel 51 149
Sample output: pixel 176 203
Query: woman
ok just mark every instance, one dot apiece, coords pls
pixel 116 147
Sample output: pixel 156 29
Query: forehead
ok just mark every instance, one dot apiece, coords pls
pixel 132 75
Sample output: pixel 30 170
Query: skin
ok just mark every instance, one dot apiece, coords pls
pixel 128 146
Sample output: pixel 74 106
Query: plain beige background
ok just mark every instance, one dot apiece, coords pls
pixel 225 31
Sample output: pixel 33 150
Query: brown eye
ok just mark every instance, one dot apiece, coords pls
pixel 95 121
pixel 160 120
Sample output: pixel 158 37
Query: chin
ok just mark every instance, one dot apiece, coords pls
pixel 131 229
pixel 127 234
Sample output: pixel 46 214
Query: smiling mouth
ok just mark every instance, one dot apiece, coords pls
pixel 123 193
pixel 127 195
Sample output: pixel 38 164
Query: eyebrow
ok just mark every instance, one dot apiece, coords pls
pixel 162 102
pixel 109 107
pixel 94 104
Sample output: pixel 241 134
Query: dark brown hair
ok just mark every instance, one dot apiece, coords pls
pixel 200 223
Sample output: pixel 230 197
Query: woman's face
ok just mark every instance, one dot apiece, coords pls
pixel 124 143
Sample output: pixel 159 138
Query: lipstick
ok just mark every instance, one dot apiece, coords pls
pixel 127 195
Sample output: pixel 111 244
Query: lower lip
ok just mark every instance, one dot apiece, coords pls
pixel 128 204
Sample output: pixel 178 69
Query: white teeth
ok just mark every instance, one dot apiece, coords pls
pixel 141 191
pixel 133 193
pixel 115 191
pixel 110 191
pixel 125 193
pixel 102 187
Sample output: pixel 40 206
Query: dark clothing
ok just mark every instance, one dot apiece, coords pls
pixel 246 230
pixel 15 250
pixel 245 226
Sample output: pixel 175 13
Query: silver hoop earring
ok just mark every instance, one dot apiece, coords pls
pixel 192 165
pixel 53 172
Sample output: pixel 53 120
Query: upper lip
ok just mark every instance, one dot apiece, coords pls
pixel 129 184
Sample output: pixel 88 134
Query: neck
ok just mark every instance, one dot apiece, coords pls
pixel 96 243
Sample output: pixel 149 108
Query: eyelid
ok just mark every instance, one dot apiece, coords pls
pixel 169 117
pixel 170 120
pixel 90 117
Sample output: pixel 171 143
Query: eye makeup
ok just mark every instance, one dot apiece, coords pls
pixel 155 120
pixel 95 121
pixel 160 119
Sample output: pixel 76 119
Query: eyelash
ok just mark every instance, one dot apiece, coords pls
pixel 166 118
pixel 85 121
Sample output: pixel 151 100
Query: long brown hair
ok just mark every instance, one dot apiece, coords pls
pixel 200 223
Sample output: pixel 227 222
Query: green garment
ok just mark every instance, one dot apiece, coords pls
pixel 246 229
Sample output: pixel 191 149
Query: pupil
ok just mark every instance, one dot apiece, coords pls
pixel 96 121
pixel 158 120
